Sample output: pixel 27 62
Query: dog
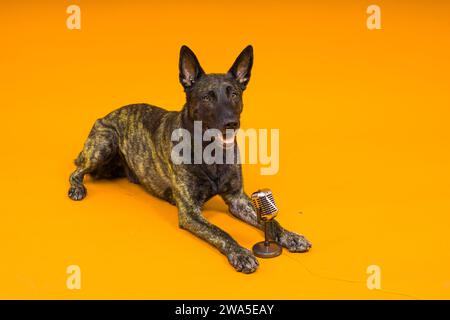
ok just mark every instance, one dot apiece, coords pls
pixel 135 142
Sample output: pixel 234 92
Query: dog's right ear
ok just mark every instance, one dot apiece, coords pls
pixel 190 69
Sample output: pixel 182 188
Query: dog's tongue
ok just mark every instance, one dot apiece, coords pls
pixel 227 140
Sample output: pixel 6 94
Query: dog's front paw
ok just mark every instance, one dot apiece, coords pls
pixel 294 242
pixel 77 192
pixel 243 260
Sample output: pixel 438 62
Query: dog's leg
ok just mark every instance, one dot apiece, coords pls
pixel 241 207
pixel 99 148
pixel 191 219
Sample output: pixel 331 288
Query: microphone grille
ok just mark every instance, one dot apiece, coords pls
pixel 264 202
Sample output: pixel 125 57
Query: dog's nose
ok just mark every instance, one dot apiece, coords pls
pixel 232 125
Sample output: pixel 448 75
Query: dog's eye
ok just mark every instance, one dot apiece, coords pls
pixel 206 98
pixel 233 94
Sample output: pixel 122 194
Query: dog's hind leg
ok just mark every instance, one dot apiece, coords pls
pixel 100 147
pixel 242 208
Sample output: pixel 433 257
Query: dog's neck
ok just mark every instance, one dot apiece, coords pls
pixel 185 120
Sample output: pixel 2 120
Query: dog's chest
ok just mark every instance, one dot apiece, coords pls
pixel 220 179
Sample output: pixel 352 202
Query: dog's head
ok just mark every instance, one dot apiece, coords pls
pixel 215 99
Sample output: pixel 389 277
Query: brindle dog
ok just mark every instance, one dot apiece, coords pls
pixel 135 142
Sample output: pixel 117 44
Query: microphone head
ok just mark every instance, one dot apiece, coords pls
pixel 264 204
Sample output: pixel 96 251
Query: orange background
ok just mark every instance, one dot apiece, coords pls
pixel 364 147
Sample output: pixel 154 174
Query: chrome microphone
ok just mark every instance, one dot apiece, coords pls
pixel 266 210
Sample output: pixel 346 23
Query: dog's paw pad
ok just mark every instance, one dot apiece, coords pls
pixel 77 193
pixel 294 242
pixel 243 261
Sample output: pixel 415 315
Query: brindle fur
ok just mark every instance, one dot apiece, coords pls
pixel 135 142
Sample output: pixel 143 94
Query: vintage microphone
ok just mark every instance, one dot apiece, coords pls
pixel 267 210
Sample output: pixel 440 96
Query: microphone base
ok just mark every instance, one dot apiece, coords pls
pixel 262 250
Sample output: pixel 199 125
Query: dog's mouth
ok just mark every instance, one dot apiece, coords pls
pixel 226 140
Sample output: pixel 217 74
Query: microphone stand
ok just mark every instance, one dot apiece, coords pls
pixel 266 234
pixel 266 248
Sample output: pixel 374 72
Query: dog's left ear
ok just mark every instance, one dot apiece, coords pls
pixel 242 67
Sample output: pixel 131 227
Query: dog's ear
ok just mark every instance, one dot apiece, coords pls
pixel 190 69
pixel 242 67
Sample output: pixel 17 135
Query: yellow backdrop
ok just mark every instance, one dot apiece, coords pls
pixel 364 147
